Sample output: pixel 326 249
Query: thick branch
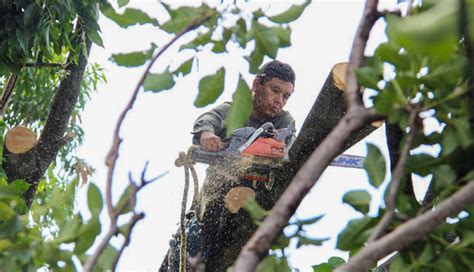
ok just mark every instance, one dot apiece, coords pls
pixel 410 231
pixel 307 176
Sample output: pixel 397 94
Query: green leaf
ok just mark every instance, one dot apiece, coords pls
pixel 200 40
pixel 241 107
pixel 5 244
pixel 107 258
pixel 159 82
pixel 444 176
pixel 95 38
pixel 368 77
pixel 5 211
pixel 258 13
pixel 182 17
pixel 355 234
pixel 358 199
pixel 19 186
pixel 255 59
pixel 432 33
pixel 324 267
pixel 185 68
pixel 69 231
pixel 266 40
pixel 284 35
pixel 273 264
pixel 463 131
pixel 374 164
pixel 293 13
pixel 310 221
pixel 130 17
pixel 240 31
pixel 123 199
pixel 306 241
pixel 133 59
pixel 88 234
pixel 421 164
pixel 94 199
pixel 210 88
pixel 219 47
pixel 391 54
pixel 256 212
pixel 122 3
pixel 336 261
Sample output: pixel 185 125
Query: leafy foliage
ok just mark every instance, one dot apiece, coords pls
pixel 245 28
pixel 39 31
pixel 423 65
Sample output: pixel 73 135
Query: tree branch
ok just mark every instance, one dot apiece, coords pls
pixel 464 31
pixel 410 231
pixel 113 154
pixel 396 179
pixel 356 117
pixel 356 59
pixel 135 218
pixel 7 93
pixel 42 64
pixel 130 202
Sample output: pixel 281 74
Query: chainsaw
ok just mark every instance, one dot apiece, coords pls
pixel 252 153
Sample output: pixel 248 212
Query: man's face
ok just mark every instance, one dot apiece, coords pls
pixel 270 98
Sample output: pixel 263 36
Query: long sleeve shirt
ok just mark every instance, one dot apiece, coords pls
pixel 214 121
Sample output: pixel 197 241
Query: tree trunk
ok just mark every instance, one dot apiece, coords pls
pixel 31 164
pixel 236 230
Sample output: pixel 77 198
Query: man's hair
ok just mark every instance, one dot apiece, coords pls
pixel 276 69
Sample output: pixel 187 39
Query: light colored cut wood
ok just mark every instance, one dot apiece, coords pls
pixel 339 71
pixel 20 139
pixel 236 197
pixel 377 123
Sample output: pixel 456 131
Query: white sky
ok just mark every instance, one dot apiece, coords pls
pixel 159 125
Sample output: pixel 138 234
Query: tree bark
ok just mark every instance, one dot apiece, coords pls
pixel 327 110
pixel 31 165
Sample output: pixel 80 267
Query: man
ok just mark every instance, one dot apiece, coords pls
pixel 207 223
pixel 272 87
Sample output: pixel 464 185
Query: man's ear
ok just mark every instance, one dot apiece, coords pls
pixel 255 84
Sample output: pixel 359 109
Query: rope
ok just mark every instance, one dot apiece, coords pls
pixel 186 161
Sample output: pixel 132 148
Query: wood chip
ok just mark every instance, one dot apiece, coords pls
pixel 236 197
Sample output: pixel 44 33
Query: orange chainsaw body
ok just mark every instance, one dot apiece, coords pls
pixel 265 147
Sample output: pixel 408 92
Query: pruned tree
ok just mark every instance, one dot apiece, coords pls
pixel 424 72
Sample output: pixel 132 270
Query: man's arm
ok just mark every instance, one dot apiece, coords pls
pixel 209 127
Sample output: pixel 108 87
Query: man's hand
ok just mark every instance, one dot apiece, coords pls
pixel 210 142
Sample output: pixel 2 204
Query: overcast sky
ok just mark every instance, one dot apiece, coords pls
pixel 159 125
